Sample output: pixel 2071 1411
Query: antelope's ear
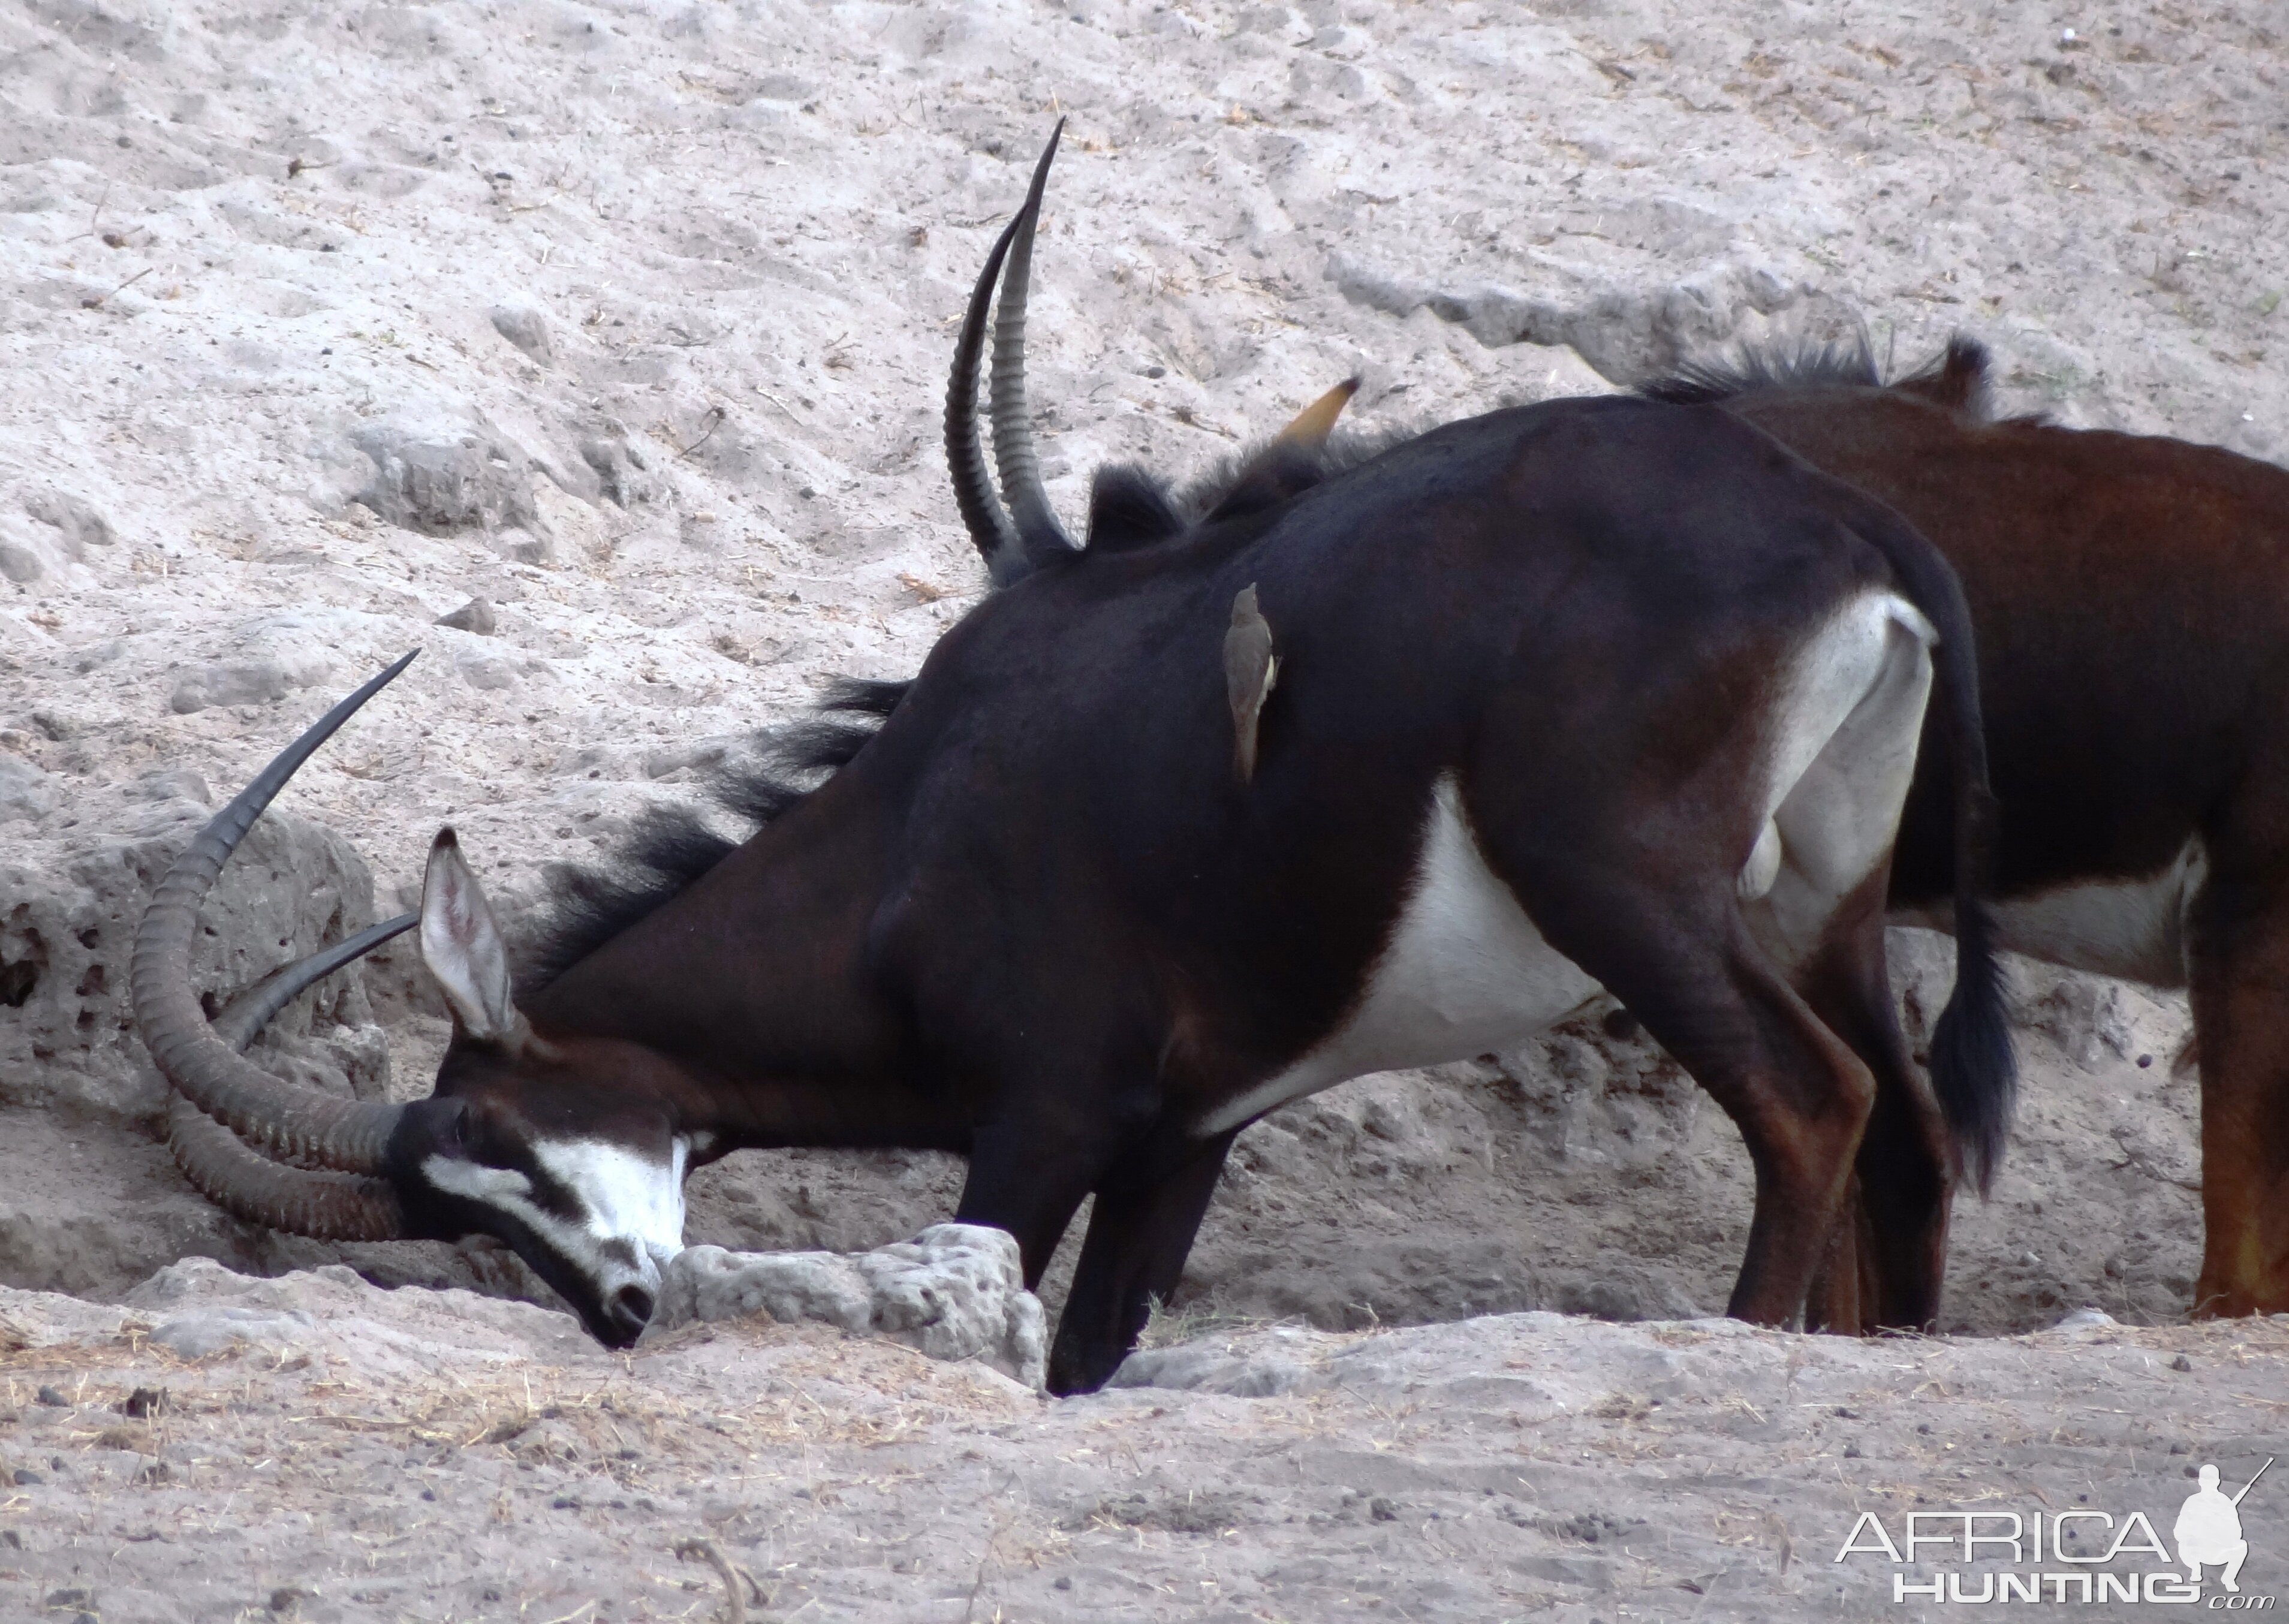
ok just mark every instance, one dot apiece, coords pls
pixel 462 945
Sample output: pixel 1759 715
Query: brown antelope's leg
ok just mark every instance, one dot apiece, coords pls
pixel 2239 979
pixel 1139 1235
pixel 1846 1278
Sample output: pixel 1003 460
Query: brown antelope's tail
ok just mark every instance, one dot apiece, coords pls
pixel 1974 1070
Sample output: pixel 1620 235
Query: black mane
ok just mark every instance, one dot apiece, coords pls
pixel 1954 378
pixel 668 847
pixel 1130 507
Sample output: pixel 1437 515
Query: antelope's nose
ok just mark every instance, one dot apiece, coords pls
pixel 631 1308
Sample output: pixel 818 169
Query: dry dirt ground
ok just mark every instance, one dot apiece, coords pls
pixel 313 1448
pixel 631 321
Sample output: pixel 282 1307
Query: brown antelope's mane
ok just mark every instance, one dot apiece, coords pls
pixel 669 846
pixel 1955 378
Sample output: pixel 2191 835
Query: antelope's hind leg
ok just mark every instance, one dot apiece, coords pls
pixel 1801 1099
pixel 1687 968
pixel 1891 1236
pixel 1818 912
pixel 2238 954
pixel 1649 910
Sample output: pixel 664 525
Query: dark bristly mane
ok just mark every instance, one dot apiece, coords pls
pixel 1954 378
pixel 1132 507
pixel 1212 493
pixel 668 847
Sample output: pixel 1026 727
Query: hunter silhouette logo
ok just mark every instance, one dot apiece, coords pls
pixel 2080 1554
pixel 2208 1529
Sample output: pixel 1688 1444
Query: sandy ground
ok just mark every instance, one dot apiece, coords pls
pixel 327 1450
pixel 632 322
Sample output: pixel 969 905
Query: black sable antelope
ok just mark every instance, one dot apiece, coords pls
pixel 1599 693
pixel 2131 595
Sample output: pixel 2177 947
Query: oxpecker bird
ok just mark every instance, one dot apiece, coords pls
pixel 1250 668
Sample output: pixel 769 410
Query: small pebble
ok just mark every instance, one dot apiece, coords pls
pixel 474 616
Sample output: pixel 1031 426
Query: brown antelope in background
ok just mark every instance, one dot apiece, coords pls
pixel 2131 595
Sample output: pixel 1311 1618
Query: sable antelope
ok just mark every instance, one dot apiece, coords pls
pixel 1599 693
pixel 2131 595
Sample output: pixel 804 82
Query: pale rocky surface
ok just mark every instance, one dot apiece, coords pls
pixel 598 349
pixel 954 1292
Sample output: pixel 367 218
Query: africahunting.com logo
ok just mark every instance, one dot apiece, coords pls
pixel 2074 1557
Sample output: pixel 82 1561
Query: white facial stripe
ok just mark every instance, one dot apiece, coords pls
pixel 627 1197
pixel 631 1219
pixel 455 1177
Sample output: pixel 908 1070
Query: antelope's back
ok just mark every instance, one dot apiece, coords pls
pixel 1594 566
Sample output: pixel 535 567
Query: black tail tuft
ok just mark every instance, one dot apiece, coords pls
pixel 1973 1070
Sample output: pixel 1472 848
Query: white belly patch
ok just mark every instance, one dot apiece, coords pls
pixel 1465 972
pixel 2134 929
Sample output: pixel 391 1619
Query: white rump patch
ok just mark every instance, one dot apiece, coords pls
pixel 1764 864
pixel 1466 972
pixel 1842 754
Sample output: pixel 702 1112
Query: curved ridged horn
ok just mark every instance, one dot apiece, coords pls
pixel 243 1019
pixel 247 1185
pixel 982 512
pixel 1038 530
pixel 293 1122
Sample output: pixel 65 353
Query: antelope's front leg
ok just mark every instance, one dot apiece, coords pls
pixel 1140 1232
